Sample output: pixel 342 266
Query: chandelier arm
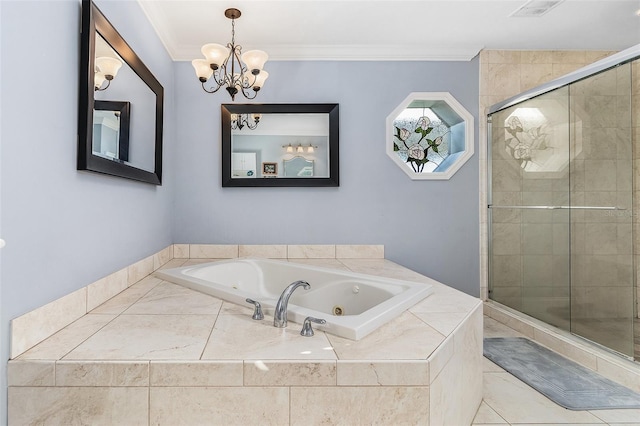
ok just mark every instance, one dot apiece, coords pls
pixel 247 94
pixel 100 89
pixel 244 72
pixel 220 82
pixel 212 90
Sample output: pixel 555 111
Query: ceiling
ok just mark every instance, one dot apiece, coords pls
pixel 392 30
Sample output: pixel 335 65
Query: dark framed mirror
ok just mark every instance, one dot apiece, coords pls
pixel 114 82
pixel 261 143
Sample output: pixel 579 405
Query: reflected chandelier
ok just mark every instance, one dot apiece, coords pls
pixel 223 65
pixel 106 69
pixel 239 121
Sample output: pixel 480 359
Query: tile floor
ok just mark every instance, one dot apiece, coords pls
pixel 508 401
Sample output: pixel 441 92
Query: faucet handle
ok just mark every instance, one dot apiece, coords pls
pixel 307 330
pixel 257 313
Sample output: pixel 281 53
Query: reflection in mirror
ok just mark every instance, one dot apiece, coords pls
pixel 111 130
pixel 279 137
pixel 298 167
pixel 303 138
pixel 430 135
pixel 127 85
pixel 243 165
pixel 112 76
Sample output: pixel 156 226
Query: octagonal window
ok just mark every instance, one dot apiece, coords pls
pixel 430 135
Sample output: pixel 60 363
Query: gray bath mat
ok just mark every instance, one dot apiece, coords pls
pixel 563 381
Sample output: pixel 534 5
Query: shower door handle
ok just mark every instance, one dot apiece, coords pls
pixel 491 206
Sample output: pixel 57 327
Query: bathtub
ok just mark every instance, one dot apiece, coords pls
pixel 352 304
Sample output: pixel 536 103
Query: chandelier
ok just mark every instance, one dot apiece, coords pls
pixel 229 67
pixel 239 121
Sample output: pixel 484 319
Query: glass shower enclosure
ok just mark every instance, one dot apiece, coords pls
pixel 563 222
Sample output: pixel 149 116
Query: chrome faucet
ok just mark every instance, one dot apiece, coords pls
pixel 280 315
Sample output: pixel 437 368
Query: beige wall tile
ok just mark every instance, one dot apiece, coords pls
pixel 311 251
pixel 119 303
pixel 565 348
pixel 359 405
pixel 139 270
pixel 568 56
pixel 181 251
pixel 266 251
pixel 30 373
pixel 512 322
pixel 591 56
pixel 105 288
pixel 289 373
pixel 162 257
pixel 102 373
pixel 196 373
pixel 628 376
pixel 559 69
pixel 536 57
pixel 221 405
pixel 534 75
pixel 501 79
pixel 503 56
pixel 213 251
pixel 33 327
pixel 323 263
pixel 78 405
pixel 360 251
pixel 383 373
pixel 173 263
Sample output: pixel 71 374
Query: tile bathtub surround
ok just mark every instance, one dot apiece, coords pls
pixel 293 251
pixel 33 327
pixel 311 252
pixel 183 357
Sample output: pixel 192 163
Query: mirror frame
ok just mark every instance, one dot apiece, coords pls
pixel 123 108
pixel 93 22
pixel 334 134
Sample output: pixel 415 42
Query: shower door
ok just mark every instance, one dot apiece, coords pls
pixel 602 219
pixel 561 208
pixel 529 196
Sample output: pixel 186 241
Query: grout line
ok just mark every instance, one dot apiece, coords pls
pixel 213 326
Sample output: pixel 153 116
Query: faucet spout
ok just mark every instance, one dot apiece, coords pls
pixel 280 314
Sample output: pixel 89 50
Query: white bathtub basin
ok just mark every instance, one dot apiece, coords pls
pixel 353 304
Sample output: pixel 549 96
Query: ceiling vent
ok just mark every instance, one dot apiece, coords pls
pixel 535 8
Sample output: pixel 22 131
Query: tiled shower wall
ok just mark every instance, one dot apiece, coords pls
pixel 506 73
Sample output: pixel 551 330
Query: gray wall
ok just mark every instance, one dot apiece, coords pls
pixel 64 228
pixel 429 226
